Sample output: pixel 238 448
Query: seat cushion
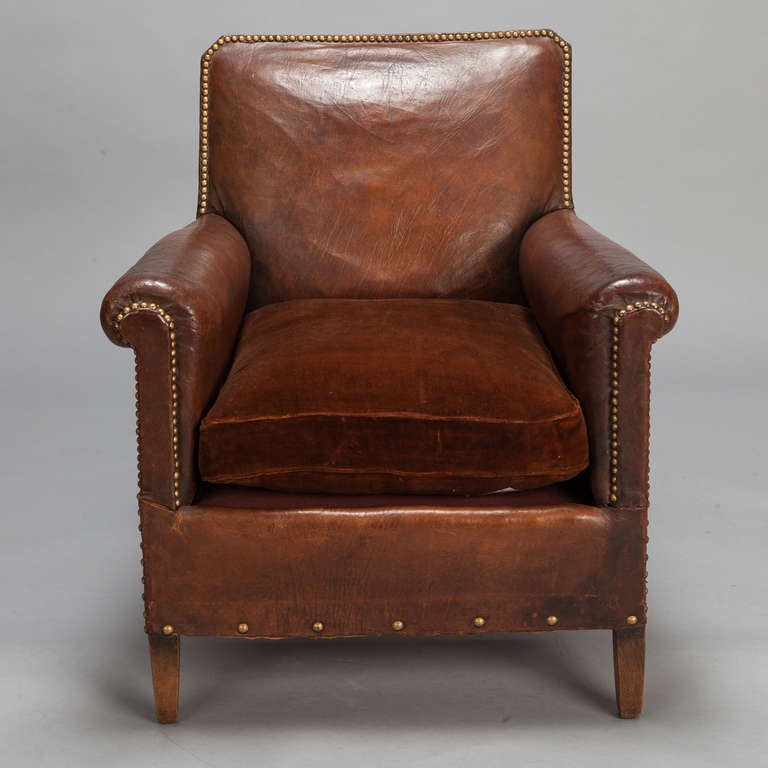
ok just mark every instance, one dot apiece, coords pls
pixel 392 396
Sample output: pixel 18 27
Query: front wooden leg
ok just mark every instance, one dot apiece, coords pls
pixel 629 669
pixel 164 652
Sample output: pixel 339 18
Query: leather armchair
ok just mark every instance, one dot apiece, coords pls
pixel 387 381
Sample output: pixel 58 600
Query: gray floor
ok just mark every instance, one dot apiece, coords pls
pixel 97 160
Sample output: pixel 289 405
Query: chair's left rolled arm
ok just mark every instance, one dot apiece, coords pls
pixel 600 309
pixel 180 308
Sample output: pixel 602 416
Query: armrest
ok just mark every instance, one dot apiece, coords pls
pixel 600 309
pixel 180 308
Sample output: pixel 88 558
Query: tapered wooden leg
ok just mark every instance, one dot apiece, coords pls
pixel 629 670
pixel 164 656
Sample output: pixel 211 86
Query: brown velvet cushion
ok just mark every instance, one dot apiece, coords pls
pixel 392 396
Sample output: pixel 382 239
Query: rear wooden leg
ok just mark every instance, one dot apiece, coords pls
pixel 164 656
pixel 629 669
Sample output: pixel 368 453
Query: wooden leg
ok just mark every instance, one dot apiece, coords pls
pixel 164 656
pixel 629 670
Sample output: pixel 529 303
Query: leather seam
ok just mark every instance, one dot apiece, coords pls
pixel 615 388
pixel 153 308
pixel 547 34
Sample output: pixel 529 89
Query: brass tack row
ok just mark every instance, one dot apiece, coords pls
pixel 435 37
pixel 615 389
pixel 644 605
pixel 566 150
pixel 398 624
pixel 413 38
pixel 145 306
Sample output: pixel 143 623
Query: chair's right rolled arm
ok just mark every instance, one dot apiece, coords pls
pixel 600 309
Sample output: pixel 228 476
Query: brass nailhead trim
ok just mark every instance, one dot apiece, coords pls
pixel 566 164
pixel 168 629
pixel 632 620
pixel 242 628
pixel 205 66
pixel 552 620
pixel 613 421
pixel 479 621
pixel 398 625
pixel 146 306
pixel 318 626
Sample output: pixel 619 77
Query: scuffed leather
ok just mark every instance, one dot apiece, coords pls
pixel 359 564
pixel 576 280
pixel 200 276
pixel 387 170
pixel 392 396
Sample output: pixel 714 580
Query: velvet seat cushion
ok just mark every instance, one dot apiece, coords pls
pixel 392 396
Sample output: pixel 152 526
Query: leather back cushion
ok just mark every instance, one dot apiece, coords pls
pixel 378 170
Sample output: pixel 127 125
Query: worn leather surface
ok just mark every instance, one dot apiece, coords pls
pixel 339 210
pixel 392 396
pixel 387 170
pixel 211 567
pixel 199 276
pixel 576 280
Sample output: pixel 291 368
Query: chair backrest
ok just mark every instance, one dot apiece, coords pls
pixel 376 166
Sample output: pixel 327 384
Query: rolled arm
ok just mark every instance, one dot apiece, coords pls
pixel 600 309
pixel 180 308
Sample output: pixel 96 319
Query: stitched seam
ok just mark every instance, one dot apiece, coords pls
pixel 203 182
pixel 615 389
pixel 145 306
pixel 405 416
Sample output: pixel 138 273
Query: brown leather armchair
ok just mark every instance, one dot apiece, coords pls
pixel 387 381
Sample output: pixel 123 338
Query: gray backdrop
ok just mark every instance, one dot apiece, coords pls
pixel 98 160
